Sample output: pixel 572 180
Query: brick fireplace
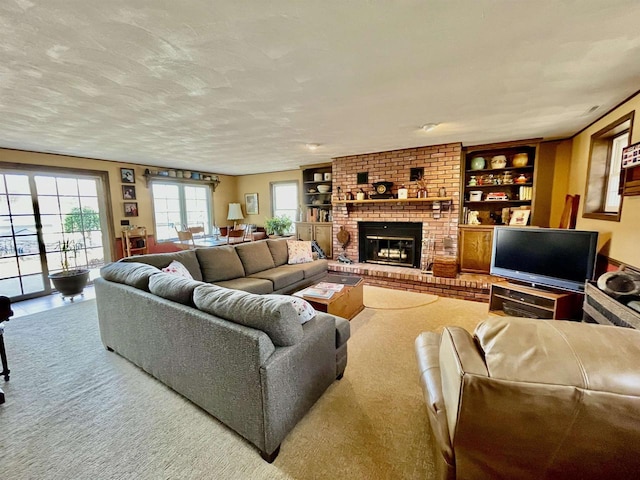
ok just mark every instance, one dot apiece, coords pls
pixel 441 165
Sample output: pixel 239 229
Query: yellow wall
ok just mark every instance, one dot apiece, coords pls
pixel 561 174
pixel 225 193
pixel 624 234
pixel 261 184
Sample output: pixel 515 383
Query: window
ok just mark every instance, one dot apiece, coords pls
pixel 284 200
pixel 177 206
pixel 603 199
pixel 39 211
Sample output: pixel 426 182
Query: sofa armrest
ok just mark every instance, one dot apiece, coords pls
pixel 458 356
pixel 294 377
pixel 427 347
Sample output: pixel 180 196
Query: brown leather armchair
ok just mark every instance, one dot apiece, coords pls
pixel 533 399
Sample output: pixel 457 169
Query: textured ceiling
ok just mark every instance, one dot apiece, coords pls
pixel 240 87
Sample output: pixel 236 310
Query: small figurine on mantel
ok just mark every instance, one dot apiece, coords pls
pixel 473 217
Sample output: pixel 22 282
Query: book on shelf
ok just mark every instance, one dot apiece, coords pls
pixel 317 292
pixel 336 287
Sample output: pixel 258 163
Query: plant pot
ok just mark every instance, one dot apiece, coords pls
pixel 70 283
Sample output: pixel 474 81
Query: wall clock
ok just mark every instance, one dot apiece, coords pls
pixel 383 190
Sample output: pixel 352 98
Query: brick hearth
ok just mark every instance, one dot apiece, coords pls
pixel 441 165
pixel 465 286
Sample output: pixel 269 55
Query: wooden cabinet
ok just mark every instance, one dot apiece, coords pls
pixel 496 177
pixel 321 232
pixel 135 241
pixel 520 301
pixel 317 186
pixel 474 246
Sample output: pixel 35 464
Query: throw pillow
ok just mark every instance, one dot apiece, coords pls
pixel 299 251
pixel 176 268
pixel 303 309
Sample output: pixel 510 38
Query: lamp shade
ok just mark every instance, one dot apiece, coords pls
pixel 235 212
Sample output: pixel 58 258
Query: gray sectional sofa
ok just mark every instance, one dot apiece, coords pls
pixel 256 267
pixel 243 357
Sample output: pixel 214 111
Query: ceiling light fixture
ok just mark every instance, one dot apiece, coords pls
pixel 313 146
pixel 427 127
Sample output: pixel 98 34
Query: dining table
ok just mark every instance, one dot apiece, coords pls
pixel 210 241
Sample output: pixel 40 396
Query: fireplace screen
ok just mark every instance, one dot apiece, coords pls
pixel 392 243
pixel 397 251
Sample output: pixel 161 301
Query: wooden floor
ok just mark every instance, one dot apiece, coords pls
pixel 40 304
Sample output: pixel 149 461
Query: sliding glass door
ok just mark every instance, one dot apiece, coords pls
pixel 38 211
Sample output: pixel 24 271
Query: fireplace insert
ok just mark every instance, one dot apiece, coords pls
pixel 391 243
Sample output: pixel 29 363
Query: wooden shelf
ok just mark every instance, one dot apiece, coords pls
pixel 393 200
pixel 505 185
pixel 214 182
pixel 130 236
pixel 516 202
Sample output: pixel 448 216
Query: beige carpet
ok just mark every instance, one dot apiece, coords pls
pixel 76 411
pixel 386 299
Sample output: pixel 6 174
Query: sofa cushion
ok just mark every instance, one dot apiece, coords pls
pixel 177 269
pixel 281 276
pixel 162 260
pixel 173 287
pixel 259 286
pixel 311 269
pixel 255 257
pixel 129 273
pixel 279 250
pixel 274 316
pixel 219 263
pixel 303 309
pixel 299 251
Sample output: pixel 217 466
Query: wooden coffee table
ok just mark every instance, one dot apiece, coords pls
pixel 346 303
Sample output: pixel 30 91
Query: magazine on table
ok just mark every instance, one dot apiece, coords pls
pixel 336 287
pixel 317 292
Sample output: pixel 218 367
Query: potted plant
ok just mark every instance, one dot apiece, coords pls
pixel 69 282
pixel 278 225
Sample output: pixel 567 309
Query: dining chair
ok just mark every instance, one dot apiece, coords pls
pixel 186 236
pixel 196 231
pixel 235 236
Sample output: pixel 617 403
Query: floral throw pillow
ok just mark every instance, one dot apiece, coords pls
pixel 299 251
pixel 303 309
pixel 176 268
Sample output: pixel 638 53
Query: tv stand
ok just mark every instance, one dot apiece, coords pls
pixel 523 301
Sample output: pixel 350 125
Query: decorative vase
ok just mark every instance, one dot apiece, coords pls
pixel 422 193
pixel 499 161
pixel 478 163
pixel 472 181
pixel 520 160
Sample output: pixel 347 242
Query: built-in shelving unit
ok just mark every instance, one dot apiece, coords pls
pixel 317 205
pixel 512 182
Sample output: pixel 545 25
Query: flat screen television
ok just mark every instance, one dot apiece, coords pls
pixel 547 257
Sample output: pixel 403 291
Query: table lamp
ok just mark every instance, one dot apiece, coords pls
pixel 235 213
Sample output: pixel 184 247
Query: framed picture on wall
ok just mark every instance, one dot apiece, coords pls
pixel 128 192
pixel 127 175
pixel 131 209
pixel 251 203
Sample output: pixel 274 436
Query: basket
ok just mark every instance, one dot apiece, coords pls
pixel 444 266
